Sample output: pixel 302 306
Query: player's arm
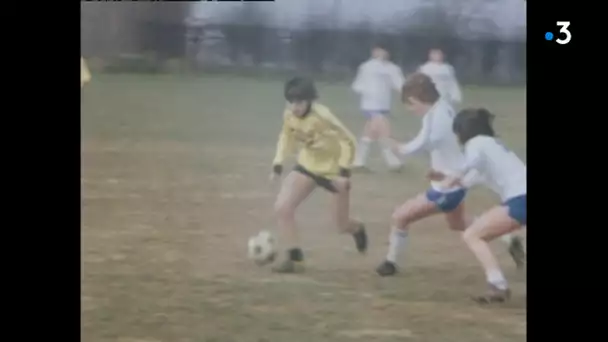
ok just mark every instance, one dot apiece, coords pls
pixel 473 157
pixel 469 175
pixel 357 85
pixel 422 140
pixel 284 148
pixel 346 140
pixel 85 74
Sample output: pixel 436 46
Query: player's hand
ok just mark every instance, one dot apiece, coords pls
pixel 452 182
pixel 395 144
pixel 435 175
pixel 276 173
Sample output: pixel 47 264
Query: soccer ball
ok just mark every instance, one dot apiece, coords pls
pixel 261 248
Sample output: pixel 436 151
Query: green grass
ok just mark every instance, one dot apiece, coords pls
pixel 174 177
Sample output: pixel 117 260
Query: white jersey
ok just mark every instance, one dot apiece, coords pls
pixel 375 81
pixel 444 78
pixel 437 138
pixel 502 170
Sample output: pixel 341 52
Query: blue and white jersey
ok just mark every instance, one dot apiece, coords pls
pixel 502 170
pixel 437 138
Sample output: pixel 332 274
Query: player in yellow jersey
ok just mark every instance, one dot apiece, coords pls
pixel 85 75
pixel 326 153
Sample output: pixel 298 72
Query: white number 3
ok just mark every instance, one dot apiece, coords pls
pixel 564 29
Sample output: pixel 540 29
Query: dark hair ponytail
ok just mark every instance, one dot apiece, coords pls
pixel 471 122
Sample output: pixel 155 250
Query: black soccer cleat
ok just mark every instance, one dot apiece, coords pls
pixel 493 295
pixel 516 249
pixel 386 269
pixel 360 237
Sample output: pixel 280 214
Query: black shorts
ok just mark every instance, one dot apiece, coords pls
pixel 323 182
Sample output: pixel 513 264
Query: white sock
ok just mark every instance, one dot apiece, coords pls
pixel 395 242
pixel 391 159
pixel 496 278
pixel 362 151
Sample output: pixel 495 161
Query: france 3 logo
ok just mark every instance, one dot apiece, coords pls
pixel 563 36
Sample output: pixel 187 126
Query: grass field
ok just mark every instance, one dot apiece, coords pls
pixel 174 181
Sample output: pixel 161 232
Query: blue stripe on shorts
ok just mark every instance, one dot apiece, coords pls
pixel 517 209
pixel 446 201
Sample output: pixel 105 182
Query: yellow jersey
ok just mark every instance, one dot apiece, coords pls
pixel 85 75
pixel 325 145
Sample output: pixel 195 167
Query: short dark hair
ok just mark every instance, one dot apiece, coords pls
pixel 300 89
pixel 421 87
pixel 382 44
pixel 471 122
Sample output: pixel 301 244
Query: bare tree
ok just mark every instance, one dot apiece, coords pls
pixel 246 33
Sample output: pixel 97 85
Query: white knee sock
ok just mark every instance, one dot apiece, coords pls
pixel 362 151
pixel 496 278
pixel 396 241
pixel 389 157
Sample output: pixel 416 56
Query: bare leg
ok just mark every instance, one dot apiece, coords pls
pixel 370 130
pixel 369 135
pixel 295 189
pixel 411 211
pixel 457 220
pixel 340 208
pixel 514 242
pixel 492 224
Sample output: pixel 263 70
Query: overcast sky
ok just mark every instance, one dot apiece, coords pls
pixel 508 15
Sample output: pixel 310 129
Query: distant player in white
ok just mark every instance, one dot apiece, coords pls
pixel 85 74
pixel 436 137
pixel 444 77
pixel 505 174
pixel 376 79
